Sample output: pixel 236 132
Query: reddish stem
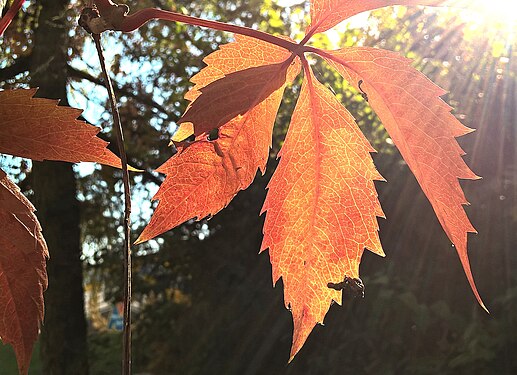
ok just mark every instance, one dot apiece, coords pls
pixel 326 55
pixel 11 13
pixel 134 21
pixel 116 18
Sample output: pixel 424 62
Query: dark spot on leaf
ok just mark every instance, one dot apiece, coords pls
pixel 350 286
pixel 213 135
pixel 363 94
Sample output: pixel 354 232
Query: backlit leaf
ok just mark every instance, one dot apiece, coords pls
pixel 252 69
pixel 205 175
pixel 422 128
pixel 326 14
pixel 321 206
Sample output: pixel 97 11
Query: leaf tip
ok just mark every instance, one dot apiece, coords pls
pixel 133 169
pixel 185 130
pixel 304 323
pixel 376 248
pixel 141 239
pixel 468 272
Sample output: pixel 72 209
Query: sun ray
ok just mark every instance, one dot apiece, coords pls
pixel 499 13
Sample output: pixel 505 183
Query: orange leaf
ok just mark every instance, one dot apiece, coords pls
pixel 204 176
pixel 252 70
pixel 23 276
pixel 38 129
pixel 422 128
pixel 326 14
pixel 233 95
pixel 321 206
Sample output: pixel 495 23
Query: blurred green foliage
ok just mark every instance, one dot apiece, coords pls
pixel 8 362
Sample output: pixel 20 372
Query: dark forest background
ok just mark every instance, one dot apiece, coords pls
pixel 205 300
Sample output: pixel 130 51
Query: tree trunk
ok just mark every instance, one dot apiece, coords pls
pixel 63 337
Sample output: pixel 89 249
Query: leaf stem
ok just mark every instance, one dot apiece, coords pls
pixel 139 18
pixel 326 55
pixel 126 344
pixel 127 23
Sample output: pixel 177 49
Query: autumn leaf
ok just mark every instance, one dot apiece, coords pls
pixel 38 129
pixel 321 206
pixel 23 276
pixel 326 14
pixel 236 94
pixel 252 70
pixel 422 128
pixel 205 175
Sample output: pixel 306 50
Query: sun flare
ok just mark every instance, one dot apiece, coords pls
pixel 500 13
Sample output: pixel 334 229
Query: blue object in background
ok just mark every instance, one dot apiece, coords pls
pixel 116 320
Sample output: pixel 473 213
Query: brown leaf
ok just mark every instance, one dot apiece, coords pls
pixel 23 276
pixel 233 95
pixel 38 129
pixel 218 97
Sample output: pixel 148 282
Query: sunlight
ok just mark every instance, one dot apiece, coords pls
pixel 500 13
pixel 288 3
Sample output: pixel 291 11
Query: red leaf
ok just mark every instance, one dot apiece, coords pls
pixel 204 176
pixel 23 276
pixel 40 130
pixel 321 206
pixel 326 14
pixel 422 128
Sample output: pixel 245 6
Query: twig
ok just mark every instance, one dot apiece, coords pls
pixel 126 343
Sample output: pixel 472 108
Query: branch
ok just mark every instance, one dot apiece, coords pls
pixel 145 172
pixel 20 65
pixel 126 344
pixel 86 17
